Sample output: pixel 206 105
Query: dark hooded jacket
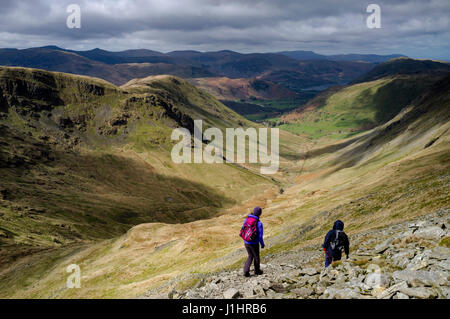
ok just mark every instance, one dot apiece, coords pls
pixel 343 239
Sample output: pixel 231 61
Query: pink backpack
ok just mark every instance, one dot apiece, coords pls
pixel 249 230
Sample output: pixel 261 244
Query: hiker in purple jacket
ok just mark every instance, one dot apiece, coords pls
pixel 252 247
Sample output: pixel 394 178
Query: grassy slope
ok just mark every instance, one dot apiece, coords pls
pixel 340 113
pixel 83 160
pixel 391 173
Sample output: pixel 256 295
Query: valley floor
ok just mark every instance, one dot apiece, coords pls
pixel 389 185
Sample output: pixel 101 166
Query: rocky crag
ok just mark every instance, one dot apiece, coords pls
pixel 402 261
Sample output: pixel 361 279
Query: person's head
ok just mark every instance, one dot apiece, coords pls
pixel 338 225
pixel 257 211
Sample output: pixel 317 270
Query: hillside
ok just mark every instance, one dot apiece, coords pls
pixel 341 112
pixel 83 160
pixel 404 66
pixel 243 89
pixel 388 175
pixel 310 55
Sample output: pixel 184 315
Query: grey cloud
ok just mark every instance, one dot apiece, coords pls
pixel 327 26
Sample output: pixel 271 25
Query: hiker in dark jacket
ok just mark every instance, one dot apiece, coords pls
pixel 335 241
pixel 252 247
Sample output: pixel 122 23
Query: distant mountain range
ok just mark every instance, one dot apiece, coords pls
pixel 310 55
pixel 120 67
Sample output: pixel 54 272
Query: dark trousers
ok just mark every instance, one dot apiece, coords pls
pixel 253 256
pixel 331 256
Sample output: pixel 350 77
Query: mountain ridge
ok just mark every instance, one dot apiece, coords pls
pixel 115 66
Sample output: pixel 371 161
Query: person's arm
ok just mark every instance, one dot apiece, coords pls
pixel 260 231
pixel 346 244
pixel 327 240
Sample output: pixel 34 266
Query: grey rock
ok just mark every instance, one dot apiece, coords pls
pixel 320 289
pixel 213 286
pixel 340 279
pixel 381 248
pixel 259 291
pixel 400 295
pixel 289 280
pixel 420 292
pixel 278 288
pixel 313 279
pixel 445 264
pixel 192 295
pixel 420 261
pixel 440 253
pixel 302 281
pixel 445 292
pixel 287 265
pixel 231 293
pixel 432 232
pixel 303 292
pixel 388 293
pixel 199 284
pixel 248 293
pixel 309 271
pixel 420 278
pixel 402 259
pixel 325 282
pixel 346 293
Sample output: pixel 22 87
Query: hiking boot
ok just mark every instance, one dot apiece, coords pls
pixel 246 274
pixel 259 272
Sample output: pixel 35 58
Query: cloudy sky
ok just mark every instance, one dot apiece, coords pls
pixel 416 28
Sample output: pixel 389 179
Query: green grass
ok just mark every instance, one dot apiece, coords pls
pixel 445 242
pixel 358 107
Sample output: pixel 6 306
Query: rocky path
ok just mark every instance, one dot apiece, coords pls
pixel 407 260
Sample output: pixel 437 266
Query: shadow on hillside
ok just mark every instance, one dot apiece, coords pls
pixel 100 195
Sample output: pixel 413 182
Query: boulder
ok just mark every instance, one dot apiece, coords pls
pixel 248 292
pixel 312 279
pixel 381 248
pixel 419 292
pixel 420 261
pixel 345 293
pixel 419 278
pixel 388 293
pixel 319 290
pixel 303 292
pixel 402 259
pixel 432 233
pixel 231 293
pixel 445 292
pixel 308 271
pixel 440 253
pixel 259 291
pixel 279 288
pixel 400 295
pixel 445 264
